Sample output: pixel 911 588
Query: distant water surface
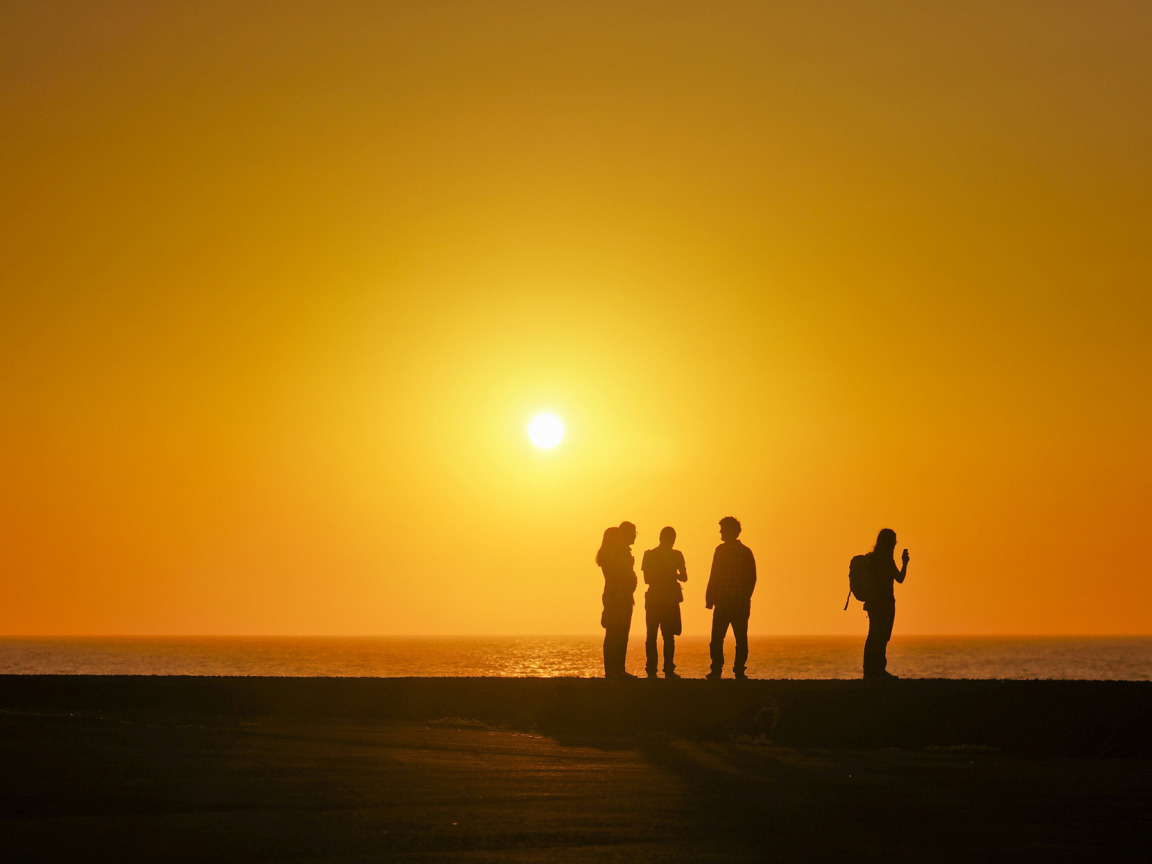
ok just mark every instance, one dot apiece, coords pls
pixel 1097 658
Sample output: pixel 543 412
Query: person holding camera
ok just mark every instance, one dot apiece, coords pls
pixel 881 604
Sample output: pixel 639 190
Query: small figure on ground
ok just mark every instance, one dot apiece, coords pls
pixel 730 587
pixel 664 570
pixel 880 604
pixel 616 561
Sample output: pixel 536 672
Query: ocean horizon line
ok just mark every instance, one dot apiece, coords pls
pixel 452 636
pixel 776 655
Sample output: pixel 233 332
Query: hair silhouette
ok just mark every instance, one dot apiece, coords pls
pixel 668 534
pixel 611 540
pixel 730 524
pixel 885 541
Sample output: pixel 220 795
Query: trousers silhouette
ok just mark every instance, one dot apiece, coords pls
pixel 880 619
pixel 722 619
pixel 666 620
pixel 617 622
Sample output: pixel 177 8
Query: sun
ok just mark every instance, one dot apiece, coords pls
pixel 546 430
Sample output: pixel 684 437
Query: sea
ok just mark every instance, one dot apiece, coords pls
pixel 1084 658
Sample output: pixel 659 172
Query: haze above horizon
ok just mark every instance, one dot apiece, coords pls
pixel 285 285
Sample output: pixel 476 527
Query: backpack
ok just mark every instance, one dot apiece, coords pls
pixel 859 579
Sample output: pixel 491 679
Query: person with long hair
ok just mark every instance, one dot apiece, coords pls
pixel 881 604
pixel 615 560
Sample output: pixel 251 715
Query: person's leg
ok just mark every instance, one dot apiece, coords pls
pixel 716 646
pixel 668 631
pixel 870 645
pixel 875 646
pixel 606 623
pixel 611 641
pixel 622 646
pixel 616 620
pixel 883 636
pixel 740 631
pixel 652 621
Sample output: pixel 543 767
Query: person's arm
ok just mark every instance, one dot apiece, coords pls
pixel 751 572
pixel 903 570
pixel 711 579
pixel 682 569
pixel 644 568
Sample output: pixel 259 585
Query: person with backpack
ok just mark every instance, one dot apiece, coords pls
pixel 872 578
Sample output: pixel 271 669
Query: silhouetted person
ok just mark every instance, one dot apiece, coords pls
pixel 615 559
pixel 730 587
pixel 881 604
pixel 663 571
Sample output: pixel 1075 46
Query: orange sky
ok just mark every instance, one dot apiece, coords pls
pixel 284 283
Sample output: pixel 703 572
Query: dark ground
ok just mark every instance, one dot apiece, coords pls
pixel 189 769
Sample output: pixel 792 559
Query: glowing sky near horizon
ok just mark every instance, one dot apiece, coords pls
pixel 284 282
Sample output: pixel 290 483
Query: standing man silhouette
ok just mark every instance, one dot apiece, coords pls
pixel 663 571
pixel 881 604
pixel 730 587
pixel 615 559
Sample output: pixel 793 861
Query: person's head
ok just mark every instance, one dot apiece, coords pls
pixel 885 542
pixel 610 541
pixel 667 536
pixel 729 528
pixel 627 533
